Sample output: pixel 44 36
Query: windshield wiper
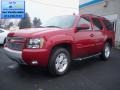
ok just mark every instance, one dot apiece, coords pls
pixel 54 26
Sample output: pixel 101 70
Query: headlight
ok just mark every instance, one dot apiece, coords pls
pixel 35 43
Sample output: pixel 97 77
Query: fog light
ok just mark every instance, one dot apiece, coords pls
pixel 34 62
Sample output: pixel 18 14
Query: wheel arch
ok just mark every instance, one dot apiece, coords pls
pixel 67 46
pixel 110 41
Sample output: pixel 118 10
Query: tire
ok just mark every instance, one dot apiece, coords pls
pixel 105 54
pixel 59 62
pixel 23 65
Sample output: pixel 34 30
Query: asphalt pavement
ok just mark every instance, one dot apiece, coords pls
pixel 90 74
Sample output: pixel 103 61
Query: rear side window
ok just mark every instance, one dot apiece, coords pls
pixel 97 24
pixel 108 25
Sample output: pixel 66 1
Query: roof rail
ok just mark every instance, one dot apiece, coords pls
pixel 93 15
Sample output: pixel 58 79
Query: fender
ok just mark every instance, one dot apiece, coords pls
pixel 59 39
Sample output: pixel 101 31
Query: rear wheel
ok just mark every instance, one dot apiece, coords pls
pixel 106 52
pixel 59 61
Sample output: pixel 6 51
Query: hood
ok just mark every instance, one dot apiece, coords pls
pixel 34 31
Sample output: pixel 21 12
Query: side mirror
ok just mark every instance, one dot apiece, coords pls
pixel 83 26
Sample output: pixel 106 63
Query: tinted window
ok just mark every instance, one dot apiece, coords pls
pixel 108 25
pixel 85 20
pixel 97 24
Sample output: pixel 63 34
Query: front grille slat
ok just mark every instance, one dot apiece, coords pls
pixel 15 43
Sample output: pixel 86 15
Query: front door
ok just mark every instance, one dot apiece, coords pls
pixel 84 39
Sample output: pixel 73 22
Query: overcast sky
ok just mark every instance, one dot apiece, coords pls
pixel 47 8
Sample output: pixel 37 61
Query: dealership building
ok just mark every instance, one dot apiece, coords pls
pixel 107 8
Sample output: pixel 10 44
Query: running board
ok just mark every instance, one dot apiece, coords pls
pixel 87 57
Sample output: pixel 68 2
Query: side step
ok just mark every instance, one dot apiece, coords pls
pixel 87 57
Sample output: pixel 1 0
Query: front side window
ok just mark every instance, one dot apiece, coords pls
pixel 60 21
pixel 85 20
pixel 97 24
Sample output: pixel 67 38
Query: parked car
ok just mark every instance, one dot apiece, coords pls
pixel 3 35
pixel 61 40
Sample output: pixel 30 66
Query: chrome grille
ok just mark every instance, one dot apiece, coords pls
pixel 15 43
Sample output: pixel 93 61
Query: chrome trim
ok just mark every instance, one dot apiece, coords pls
pixel 13 51
pixel 87 57
pixel 14 55
pixel 61 62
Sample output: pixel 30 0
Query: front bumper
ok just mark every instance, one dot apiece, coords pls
pixel 34 57
pixel 14 55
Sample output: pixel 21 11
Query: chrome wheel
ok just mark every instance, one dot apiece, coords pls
pixel 105 54
pixel 107 51
pixel 61 62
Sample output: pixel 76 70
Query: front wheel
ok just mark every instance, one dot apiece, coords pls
pixel 105 54
pixel 59 61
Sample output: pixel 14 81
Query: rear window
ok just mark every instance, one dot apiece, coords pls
pixel 108 25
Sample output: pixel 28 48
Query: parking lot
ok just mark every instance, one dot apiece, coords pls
pixel 90 74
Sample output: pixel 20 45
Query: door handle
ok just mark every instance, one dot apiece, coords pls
pixel 92 35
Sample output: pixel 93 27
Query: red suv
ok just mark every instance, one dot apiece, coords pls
pixel 60 40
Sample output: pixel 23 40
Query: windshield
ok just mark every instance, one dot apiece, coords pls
pixel 60 22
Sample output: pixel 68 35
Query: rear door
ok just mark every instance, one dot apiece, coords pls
pixel 84 39
pixel 98 34
pixel 109 30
